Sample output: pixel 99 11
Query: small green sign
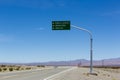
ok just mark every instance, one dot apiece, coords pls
pixel 60 25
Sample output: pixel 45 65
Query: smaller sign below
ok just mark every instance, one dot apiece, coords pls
pixel 60 25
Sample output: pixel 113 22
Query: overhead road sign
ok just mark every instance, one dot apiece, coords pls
pixel 60 25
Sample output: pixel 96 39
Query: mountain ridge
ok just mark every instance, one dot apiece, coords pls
pixel 82 62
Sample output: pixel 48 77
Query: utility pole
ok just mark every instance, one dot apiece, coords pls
pixel 102 63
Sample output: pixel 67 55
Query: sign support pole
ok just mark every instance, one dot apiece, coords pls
pixel 91 46
pixel 65 25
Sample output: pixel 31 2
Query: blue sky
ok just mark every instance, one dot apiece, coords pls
pixel 26 33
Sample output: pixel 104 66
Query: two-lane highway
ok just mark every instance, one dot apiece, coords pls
pixel 32 75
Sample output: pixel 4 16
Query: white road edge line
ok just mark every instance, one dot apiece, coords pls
pixel 59 73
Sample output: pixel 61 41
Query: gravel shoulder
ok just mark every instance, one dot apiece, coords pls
pixel 82 74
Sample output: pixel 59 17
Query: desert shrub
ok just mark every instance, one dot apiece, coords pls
pixel 22 68
pixel 3 65
pixel 0 69
pixel 10 69
pixel 4 69
pixel 28 68
pixel 113 79
pixel 11 65
pixel 18 68
pixel 40 65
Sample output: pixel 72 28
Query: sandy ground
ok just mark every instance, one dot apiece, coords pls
pixel 82 74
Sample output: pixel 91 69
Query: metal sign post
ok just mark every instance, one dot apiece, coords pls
pixel 91 44
pixel 65 25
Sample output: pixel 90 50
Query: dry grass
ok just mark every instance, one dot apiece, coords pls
pixel 10 68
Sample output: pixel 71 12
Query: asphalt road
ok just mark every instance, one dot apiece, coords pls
pixel 32 75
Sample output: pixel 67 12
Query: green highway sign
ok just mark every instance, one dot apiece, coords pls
pixel 60 25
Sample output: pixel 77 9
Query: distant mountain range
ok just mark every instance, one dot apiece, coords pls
pixel 81 62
